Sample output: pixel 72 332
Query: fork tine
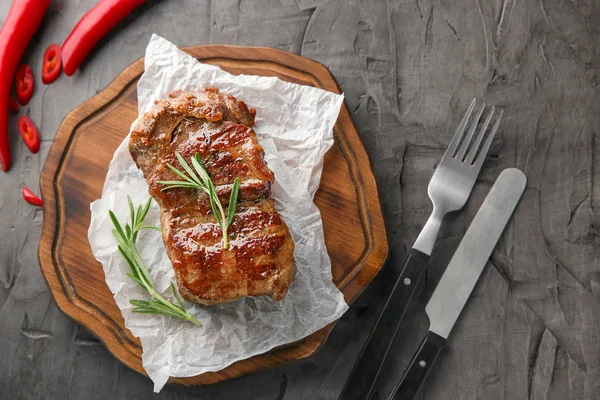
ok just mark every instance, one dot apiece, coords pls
pixel 478 140
pixel 465 144
pixel 459 131
pixel 488 142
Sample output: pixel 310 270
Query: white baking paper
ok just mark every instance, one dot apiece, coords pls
pixel 294 125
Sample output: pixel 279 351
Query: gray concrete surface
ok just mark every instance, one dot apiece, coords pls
pixel 408 69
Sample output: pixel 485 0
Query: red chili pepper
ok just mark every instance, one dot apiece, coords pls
pixel 12 105
pixel 91 28
pixel 20 24
pixel 24 83
pixel 52 64
pixel 30 197
pixel 29 133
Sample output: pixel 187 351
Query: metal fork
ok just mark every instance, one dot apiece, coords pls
pixel 449 189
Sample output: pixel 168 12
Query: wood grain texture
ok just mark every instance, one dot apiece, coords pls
pixel 76 167
pixel 408 70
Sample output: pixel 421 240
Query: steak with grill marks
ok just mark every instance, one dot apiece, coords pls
pixel 259 259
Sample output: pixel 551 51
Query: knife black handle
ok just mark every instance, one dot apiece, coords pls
pixel 419 367
pixel 370 361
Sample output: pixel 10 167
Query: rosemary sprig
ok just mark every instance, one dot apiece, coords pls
pixel 139 272
pixel 198 178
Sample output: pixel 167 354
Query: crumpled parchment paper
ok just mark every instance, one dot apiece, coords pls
pixel 294 125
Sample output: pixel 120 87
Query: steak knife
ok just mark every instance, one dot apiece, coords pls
pixel 459 279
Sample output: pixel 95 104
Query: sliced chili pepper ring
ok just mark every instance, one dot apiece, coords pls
pixel 24 82
pixel 12 105
pixel 29 133
pixel 30 197
pixel 52 63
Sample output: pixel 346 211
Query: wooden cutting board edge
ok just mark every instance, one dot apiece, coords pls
pixel 84 113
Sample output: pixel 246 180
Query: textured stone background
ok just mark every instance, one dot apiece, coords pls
pixel 409 69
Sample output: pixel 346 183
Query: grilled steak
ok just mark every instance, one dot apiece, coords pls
pixel 259 259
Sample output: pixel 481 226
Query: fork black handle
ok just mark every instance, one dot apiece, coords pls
pixel 365 372
pixel 419 368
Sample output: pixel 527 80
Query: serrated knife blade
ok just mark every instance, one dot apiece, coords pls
pixel 462 274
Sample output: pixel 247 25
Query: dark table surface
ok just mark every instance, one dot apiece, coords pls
pixel 531 329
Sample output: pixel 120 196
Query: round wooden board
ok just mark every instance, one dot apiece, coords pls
pixel 74 173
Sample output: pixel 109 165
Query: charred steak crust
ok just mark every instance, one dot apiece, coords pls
pixel 259 260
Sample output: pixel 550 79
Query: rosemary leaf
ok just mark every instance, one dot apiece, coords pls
pixel 176 295
pixel 140 303
pixel 188 186
pixel 215 210
pixel 143 310
pixel 156 228
pixel 181 174
pixel 127 230
pixel 137 216
pixel 177 183
pixel 144 211
pixel 233 201
pixel 135 278
pixel 128 260
pixel 201 170
pixel 187 167
pixel 117 225
pixel 131 213
pixel 158 308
